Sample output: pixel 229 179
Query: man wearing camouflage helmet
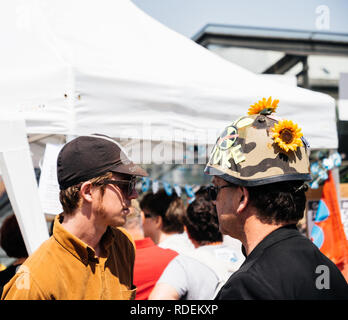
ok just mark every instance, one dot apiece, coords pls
pixel 260 164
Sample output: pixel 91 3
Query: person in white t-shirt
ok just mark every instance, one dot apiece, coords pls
pixel 200 273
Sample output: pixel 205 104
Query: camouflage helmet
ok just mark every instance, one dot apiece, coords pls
pixel 260 149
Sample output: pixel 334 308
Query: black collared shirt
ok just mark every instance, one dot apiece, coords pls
pixel 285 265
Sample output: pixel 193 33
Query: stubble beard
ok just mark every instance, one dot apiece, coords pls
pixel 103 215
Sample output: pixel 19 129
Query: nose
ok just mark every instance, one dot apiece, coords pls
pixel 133 195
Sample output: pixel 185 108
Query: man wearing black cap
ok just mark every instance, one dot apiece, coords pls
pixel 89 255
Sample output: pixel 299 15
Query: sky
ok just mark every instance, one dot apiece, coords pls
pixel 188 17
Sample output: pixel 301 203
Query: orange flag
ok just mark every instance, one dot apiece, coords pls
pixel 328 232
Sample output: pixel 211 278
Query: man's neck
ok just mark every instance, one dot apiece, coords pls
pixel 255 231
pixel 84 228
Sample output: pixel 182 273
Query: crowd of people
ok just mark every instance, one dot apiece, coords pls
pixel 180 252
pixel 108 243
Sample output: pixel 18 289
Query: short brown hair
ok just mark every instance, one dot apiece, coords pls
pixel 201 219
pixel 70 197
pixel 170 208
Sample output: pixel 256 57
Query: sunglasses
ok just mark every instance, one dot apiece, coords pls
pixel 127 186
pixel 214 190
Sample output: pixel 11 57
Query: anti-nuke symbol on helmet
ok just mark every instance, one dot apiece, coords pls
pixel 224 150
pixel 227 138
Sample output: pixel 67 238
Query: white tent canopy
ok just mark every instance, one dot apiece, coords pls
pixel 83 66
pixel 80 67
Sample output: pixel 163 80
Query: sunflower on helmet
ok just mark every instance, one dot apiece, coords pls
pixel 260 148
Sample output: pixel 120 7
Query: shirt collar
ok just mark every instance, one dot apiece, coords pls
pixel 144 243
pixel 74 245
pixel 277 235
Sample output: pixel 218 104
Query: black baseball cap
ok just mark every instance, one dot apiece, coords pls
pixel 87 157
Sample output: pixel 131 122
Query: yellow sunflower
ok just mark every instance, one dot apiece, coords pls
pixel 264 105
pixel 287 135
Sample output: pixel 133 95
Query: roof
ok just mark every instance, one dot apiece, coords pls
pixel 317 41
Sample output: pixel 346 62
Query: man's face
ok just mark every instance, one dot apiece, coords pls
pixel 112 207
pixel 226 206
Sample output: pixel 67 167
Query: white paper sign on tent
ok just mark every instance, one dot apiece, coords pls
pixel 20 182
pixel 48 186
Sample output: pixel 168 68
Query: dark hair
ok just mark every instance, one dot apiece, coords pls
pixel 170 208
pixel 201 219
pixel 11 238
pixel 279 202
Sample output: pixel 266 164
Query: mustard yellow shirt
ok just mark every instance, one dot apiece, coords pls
pixel 65 268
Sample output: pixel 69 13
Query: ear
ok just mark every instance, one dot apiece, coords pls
pixel 86 191
pixel 158 222
pixel 243 199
